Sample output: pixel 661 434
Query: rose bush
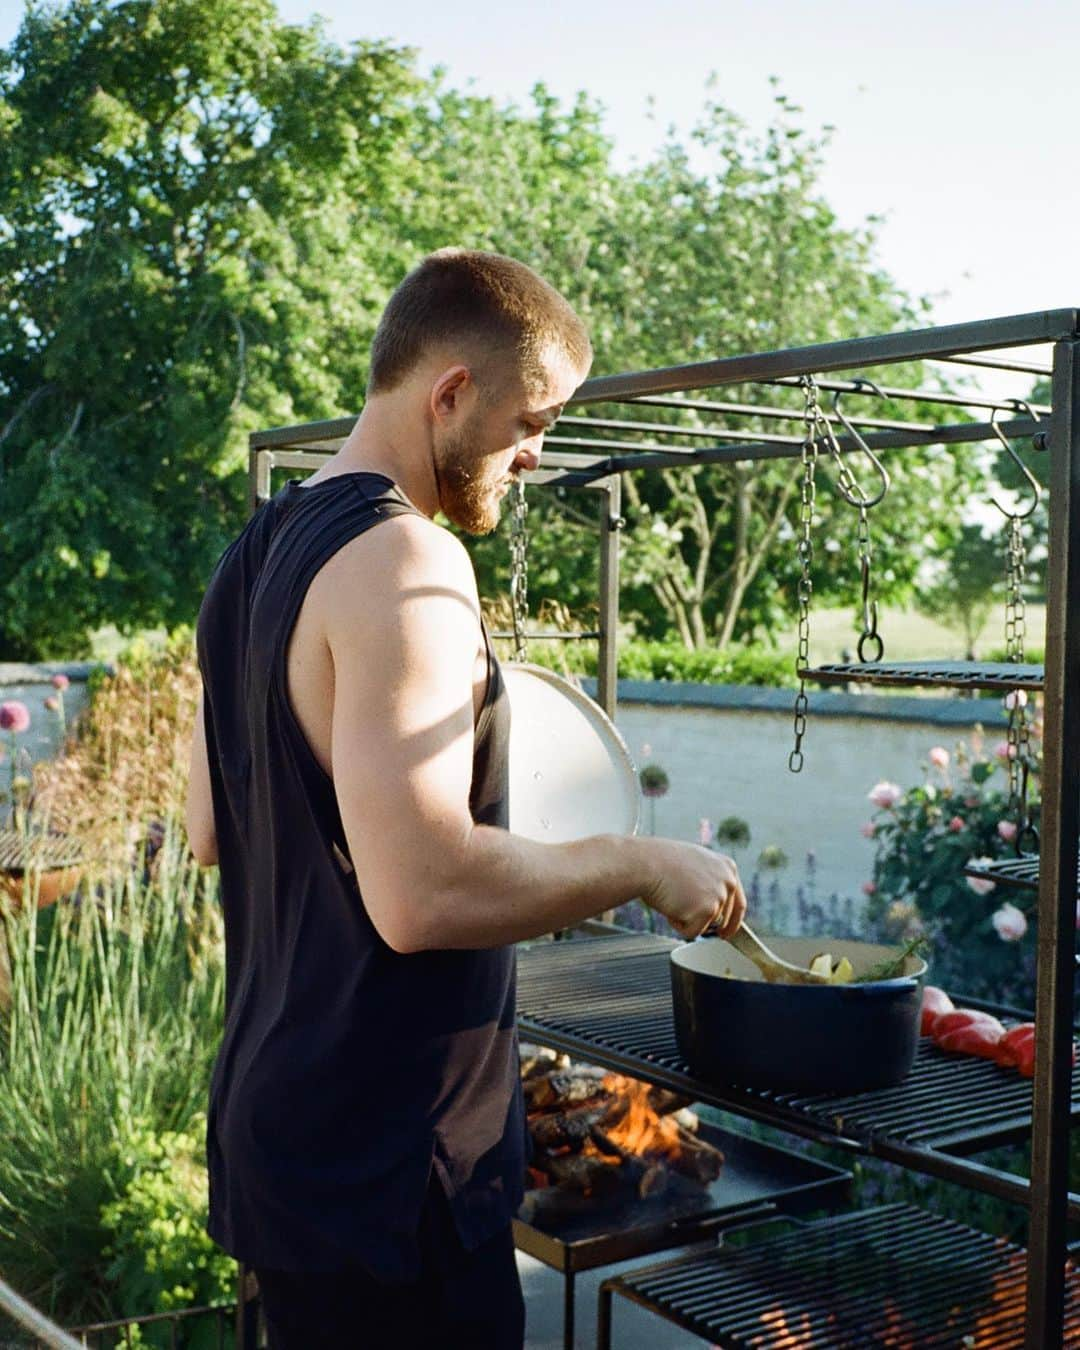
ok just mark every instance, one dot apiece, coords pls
pixel 983 941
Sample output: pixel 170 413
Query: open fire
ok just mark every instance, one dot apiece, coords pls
pixel 599 1135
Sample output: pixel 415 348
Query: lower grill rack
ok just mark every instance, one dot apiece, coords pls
pixel 895 1276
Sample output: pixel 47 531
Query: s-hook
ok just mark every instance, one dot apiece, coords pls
pixel 870 646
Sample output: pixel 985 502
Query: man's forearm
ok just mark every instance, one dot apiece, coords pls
pixel 505 887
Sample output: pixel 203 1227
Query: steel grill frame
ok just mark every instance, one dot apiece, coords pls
pixel 1046 1191
pixel 835 1284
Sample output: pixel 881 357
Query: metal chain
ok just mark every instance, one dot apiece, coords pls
pixel 519 567
pixel 1018 736
pixel 813 419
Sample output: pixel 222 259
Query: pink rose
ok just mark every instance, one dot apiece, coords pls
pixel 980 885
pixel 1007 830
pixel 14 716
pixel 868 830
pixel 1015 698
pixel 939 757
pixel 1004 751
pixel 60 681
pixel 53 704
pixel 868 888
pixel 1009 923
pixel 885 795
pixel 956 825
pixel 705 831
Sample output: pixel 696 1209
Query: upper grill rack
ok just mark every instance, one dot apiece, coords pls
pixel 890 1276
pixel 608 999
pixel 1022 872
pixel 993 675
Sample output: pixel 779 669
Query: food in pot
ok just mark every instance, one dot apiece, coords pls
pixel 934 1003
pixel 842 973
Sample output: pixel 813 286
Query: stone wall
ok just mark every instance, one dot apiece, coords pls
pixel 725 750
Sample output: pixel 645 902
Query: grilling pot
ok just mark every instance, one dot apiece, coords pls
pixel 733 1027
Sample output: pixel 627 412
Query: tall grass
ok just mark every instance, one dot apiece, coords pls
pixel 116 1009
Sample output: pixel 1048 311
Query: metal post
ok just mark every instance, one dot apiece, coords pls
pixel 1057 869
pixel 260 463
pixel 611 523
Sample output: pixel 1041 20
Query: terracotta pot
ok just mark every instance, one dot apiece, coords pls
pixel 51 884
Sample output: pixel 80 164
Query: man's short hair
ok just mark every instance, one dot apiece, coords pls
pixel 505 316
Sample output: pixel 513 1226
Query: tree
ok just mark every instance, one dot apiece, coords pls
pixel 962 593
pixel 186 252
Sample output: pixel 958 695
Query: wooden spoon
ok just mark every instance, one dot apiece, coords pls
pixel 775 970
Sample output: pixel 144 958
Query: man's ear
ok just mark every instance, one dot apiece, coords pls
pixel 452 392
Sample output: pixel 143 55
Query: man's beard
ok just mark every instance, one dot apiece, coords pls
pixel 468 489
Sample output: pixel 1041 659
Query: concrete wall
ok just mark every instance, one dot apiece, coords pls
pixel 726 750
pixel 31 684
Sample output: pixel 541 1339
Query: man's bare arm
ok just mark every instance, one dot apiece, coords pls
pixel 199 811
pixel 401 618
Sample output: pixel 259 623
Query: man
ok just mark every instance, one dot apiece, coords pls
pixel 365 1136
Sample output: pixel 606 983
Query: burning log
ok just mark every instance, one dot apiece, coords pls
pixel 696 1159
pixel 567 1129
pixel 579 1084
pixel 537 1059
pixel 596 1134
pixel 587 1173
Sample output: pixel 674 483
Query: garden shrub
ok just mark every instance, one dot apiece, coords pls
pixel 117 999
pixel 159 1254
pixel 983 941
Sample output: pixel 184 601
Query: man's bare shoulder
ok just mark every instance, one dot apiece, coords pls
pixel 405 559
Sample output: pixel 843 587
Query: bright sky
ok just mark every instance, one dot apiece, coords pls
pixel 954 118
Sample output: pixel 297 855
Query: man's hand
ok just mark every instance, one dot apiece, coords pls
pixel 694 888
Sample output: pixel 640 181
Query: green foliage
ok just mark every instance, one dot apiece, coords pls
pixel 159 1253
pixel 922 845
pixel 640 659
pixel 202 213
pixel 185 197
pixel 968 576
pixel 116 1011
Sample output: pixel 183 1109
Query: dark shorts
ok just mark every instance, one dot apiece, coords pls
pixel 462 1299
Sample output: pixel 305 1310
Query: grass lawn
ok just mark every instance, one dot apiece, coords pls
pixel 908 635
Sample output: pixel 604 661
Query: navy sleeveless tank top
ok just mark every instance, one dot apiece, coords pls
pixel 347 1072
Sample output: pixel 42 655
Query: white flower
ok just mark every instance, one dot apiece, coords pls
pixel 939 757
pixel 1009 922
pixel 1015 698
pixel 885 795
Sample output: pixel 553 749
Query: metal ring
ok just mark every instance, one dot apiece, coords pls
pixel 870 637
pixel 1028 834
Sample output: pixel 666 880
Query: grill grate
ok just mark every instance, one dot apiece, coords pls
pixel 1020 872
pixel 608 999
pixel 894 1276
pixel 19 851
pixel 946 674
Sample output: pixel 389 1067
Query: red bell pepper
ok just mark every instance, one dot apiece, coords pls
pixel 945 1023
pixel 976 1038
pixel 934 1003
pixel 1016 1049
